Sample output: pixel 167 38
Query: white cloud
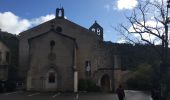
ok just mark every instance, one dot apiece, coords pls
pixel 12 23
pixel 42 19
pixel 148 36
pixel 122 40
pixel 126 4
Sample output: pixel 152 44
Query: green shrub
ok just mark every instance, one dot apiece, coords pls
pixel 10 85
pixel 141 79
pixel 88 85
pixel 82 85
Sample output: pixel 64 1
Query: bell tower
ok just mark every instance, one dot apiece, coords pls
pixel 97 29
pixel 60 13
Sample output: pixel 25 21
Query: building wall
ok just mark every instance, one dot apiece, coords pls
pixel 86 41
pixel 4 64
pixel 90 47
pixel 63 62
pixel 105 64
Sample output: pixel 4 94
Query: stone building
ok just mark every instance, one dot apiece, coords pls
pixel 55 55
pixel 8 56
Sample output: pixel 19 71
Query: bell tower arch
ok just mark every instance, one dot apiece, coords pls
pixel 60 13
pixel 97 29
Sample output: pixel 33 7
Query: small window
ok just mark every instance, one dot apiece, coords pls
pixel 52 44
pixel 93 29
pixel 51 78
pixel 60 13
pixel 88 69
pixel 7 57
pixel 98 31
pixel 59 29
pixel 88 66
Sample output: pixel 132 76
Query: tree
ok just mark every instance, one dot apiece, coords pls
pixel 141 78
pixel 149 24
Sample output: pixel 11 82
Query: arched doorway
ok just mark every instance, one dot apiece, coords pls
pixel 105 83
pixel 51 80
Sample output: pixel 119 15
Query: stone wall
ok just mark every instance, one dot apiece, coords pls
pixel 62 62
pixel 85 39
pixel 3 63
pixel 90 47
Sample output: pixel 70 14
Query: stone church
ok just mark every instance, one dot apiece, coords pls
pixel 55 55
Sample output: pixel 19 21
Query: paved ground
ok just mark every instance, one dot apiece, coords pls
pixel 137 95
pixel 130 95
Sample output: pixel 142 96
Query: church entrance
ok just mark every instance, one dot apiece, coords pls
pixel 51 80
pixel 105 83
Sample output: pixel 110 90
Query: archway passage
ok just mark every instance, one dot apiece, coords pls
pixel 105 83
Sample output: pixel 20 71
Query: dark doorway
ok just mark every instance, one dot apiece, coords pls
pixel 105 83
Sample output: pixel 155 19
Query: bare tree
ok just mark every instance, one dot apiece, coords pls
pixel 149 24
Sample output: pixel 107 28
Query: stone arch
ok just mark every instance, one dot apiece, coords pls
pixel 105 83
pixel 50 78
pixel 60 12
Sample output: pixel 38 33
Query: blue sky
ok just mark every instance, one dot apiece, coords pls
pixel 19 15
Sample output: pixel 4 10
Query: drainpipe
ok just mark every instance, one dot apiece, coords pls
pixel 75 72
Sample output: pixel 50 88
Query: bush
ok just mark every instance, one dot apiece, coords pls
pixel 88 85
pixel 10 85
pixel 137 84
pixel 82 85
pixel 2 86
pixel 7 86
pixel 141 79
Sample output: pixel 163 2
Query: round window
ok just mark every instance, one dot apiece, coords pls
pixel 59 29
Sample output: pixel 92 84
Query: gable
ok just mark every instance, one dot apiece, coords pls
pixel 66 25
pixel 57 34
pixel 51 30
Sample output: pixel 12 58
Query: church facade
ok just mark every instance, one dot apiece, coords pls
pixel 55 55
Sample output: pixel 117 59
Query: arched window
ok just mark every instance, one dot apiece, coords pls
pixel 59 29
pixel 93 29
pixel 52 44
pixel 60 13
pixel 88 68
pixel 7 57
pixel 51 77
pixel 98 31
